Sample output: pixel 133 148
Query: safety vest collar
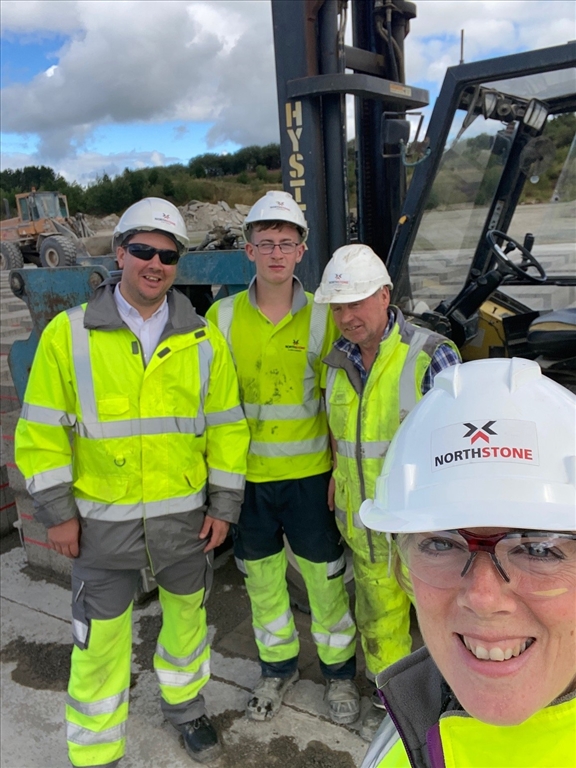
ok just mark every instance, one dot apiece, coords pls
pixel 102 312
pixel 299 300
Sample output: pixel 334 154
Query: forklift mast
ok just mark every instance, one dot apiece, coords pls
pixel 315 70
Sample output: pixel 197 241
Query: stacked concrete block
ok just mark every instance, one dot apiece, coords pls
pixel 32 533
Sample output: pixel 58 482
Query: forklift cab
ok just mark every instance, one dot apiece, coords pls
pixel 485 249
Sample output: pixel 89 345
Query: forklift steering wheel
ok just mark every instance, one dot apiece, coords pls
pixel 528 259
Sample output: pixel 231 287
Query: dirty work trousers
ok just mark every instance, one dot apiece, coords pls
pixel 98 691
pixel 382 607
pixel 298 510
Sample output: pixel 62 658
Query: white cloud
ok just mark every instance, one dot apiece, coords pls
pixel 138 61
pixel 148 61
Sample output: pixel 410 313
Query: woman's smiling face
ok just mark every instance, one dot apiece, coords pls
pixel 505 656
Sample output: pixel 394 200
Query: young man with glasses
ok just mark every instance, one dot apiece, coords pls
pixel 133 444
pixel 278 338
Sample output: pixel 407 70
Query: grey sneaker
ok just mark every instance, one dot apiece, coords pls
pixel 266 698
pixel 373 718
pixel 343 701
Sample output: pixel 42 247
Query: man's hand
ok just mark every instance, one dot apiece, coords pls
pixel 331 493
pixel 215 531
pixel 65 538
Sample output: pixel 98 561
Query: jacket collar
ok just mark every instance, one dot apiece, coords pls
pixel 299 300
pixel 102 313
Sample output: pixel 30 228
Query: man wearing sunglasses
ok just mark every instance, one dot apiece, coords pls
pixel 133 444
pixel 278 338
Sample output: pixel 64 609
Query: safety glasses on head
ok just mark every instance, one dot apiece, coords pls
pixel 167 256
pixel 534 563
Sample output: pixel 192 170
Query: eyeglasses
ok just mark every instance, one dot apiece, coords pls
pixel 267 248
pixel 147 253
pixel 534 563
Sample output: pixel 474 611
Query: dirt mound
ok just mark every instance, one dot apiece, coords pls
pixel 201 217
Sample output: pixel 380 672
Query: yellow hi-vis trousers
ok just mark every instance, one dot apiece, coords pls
pixel 333 627
pixel 98 691
pixel 382 607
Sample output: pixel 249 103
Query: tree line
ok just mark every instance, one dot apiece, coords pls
pixel 201 179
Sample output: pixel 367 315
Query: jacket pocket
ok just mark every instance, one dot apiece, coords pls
pixel 113 406
pixel 196 476
pixel 103 488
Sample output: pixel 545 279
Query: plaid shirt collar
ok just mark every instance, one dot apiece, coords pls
pixel 352 351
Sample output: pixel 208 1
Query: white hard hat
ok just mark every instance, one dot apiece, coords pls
pixel 353 273
pixel 276 206
pixel 493 444
pixel 151 213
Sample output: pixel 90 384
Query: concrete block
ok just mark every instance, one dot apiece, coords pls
pixel 8 512
pixel 38 552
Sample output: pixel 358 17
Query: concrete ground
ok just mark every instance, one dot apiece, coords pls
pixel 35 642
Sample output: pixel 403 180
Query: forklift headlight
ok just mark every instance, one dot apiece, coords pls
pixel 535 115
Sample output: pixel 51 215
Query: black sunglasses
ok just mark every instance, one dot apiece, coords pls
pixel 147 253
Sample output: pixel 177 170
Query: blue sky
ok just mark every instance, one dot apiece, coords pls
pixel 98 85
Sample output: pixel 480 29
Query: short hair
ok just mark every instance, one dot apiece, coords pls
pixel 261 226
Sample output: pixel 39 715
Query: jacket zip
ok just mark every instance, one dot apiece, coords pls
pixel 359 465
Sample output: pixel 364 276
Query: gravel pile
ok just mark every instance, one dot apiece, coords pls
pixel 199 217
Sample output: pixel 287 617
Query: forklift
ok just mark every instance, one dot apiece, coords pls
pixel 446 212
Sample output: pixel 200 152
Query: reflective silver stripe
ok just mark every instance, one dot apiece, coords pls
pixel 49 416
pixel 317 328
pixel 85 737
pixel 225 313
pixel 177 679
pixel 346 448
pixel 336 566
pixel 159 425
pixel 374 450
pixel 266 635
pixel 229 416
pixel 205 356
pixel 330 379
pixel 80 631
pixel 333 640
pixel 82 367
pixel 368 450
pixel 117 513
pixel 385 738
pixel 232 480
pixel 241 566
pixel 49 479
pixel 102 707
pixel 281 412
pixel 346 622
pixel 282 450
pixel 181 661
pixel 407 384
pixel 343 517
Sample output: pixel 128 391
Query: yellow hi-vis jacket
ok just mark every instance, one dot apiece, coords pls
pixel 364 419
pixel 418 735
pixel 135 450
pixel 279 369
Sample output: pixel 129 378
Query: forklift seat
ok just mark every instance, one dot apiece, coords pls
pixel 553 335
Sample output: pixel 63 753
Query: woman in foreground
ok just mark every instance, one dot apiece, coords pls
pixel 479 494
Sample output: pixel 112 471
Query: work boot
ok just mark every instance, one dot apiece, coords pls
pixel 343 701
pixel 201 740
pixel 373 718
pixel 267 696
